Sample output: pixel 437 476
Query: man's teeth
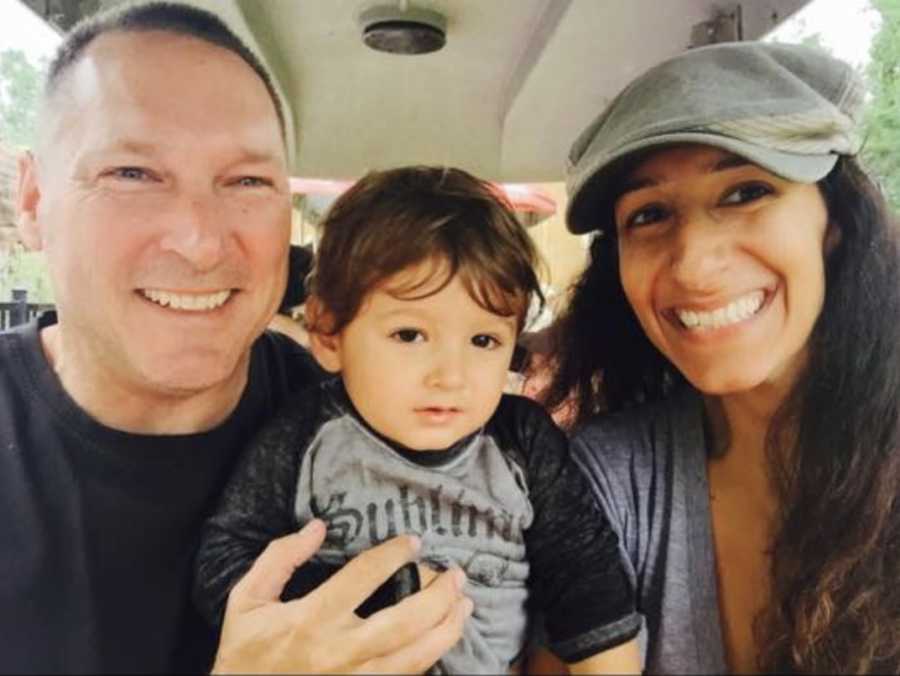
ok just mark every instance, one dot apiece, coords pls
pixel 736 311
pixel 187 301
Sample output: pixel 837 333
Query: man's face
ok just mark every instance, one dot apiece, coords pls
pixel 160 197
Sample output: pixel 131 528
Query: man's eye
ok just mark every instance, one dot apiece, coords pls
pixel 131 173
pixel 252 181
pixel 485 341
pixel 748 192
pixel 408 336
pixel 647 215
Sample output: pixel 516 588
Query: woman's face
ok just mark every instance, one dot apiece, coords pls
pixel 723 265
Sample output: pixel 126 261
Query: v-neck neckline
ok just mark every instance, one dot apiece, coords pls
pixel 705 615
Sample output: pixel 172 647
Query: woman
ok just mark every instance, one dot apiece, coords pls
pixel 739 317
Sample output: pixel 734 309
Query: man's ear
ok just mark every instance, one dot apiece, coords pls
pixel 28 196
pixel 325 345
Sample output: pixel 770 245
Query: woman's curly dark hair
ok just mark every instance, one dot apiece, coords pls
pixel 834 444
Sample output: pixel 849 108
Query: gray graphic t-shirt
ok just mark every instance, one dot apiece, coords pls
pixel 506 504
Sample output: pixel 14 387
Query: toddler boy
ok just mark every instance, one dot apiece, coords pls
pixel 419 290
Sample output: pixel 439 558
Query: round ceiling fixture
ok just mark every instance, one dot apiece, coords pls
pixel 403 29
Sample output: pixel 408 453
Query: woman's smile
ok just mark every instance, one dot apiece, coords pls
pixel 723 265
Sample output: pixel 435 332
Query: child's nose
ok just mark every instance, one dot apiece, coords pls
pixel 447 370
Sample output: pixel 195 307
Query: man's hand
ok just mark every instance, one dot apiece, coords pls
pixel 320 633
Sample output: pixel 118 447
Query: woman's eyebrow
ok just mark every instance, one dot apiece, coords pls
pixel 633 184
pixel 728 162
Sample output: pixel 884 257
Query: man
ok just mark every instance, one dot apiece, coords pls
pixel 158 191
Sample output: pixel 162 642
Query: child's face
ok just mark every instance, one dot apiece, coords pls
pixel 423 372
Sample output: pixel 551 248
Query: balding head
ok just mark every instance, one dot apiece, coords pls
pixel 166 17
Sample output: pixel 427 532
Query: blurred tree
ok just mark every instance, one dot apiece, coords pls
pixel 21 269
pixel 815 40
pixel 20 88
pixel 881 151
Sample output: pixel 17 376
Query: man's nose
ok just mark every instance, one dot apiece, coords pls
pixel 700 252
pixel 197 232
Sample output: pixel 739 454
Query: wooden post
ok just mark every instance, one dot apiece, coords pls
pixel 20 310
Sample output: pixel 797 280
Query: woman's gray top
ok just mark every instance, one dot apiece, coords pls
pixel 647 467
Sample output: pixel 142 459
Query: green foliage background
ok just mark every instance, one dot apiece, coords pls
pixel 881 152
pixel 20 89
pixel 23 269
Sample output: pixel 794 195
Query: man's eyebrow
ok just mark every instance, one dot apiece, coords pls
pixel 248 156
pixel 242 156
pixel 129 146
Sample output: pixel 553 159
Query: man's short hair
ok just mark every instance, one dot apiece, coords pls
pixel 170 17
pixel 391 220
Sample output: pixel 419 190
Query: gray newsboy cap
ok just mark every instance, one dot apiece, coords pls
pixel 790 109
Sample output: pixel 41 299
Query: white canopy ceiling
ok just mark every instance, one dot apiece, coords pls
pixel 515 83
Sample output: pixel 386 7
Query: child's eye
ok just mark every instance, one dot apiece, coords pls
pixel 408 335
pixel 747 192
pixel 485 341
pixel 646 215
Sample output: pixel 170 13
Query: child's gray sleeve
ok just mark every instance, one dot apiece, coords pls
pixel 259 505
pixel 577 578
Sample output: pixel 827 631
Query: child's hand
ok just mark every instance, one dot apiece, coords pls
pixel 320 633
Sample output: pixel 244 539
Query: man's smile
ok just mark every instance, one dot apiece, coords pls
pixel 192 302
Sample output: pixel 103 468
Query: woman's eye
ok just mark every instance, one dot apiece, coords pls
pixel 748 192
pixel 485 341
pixel 408 336
pixel 648 215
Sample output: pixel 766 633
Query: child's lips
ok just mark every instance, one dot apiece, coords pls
pixel 437 414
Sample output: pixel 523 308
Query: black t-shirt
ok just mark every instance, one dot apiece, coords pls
pixel 99 528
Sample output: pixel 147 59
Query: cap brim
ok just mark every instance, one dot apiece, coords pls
pixel 589 186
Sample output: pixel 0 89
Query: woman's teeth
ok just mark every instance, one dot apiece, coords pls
pixel 736 311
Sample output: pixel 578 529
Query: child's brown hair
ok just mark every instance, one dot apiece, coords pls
pixel 391 220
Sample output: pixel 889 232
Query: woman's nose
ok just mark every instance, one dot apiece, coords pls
pixel 700 252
